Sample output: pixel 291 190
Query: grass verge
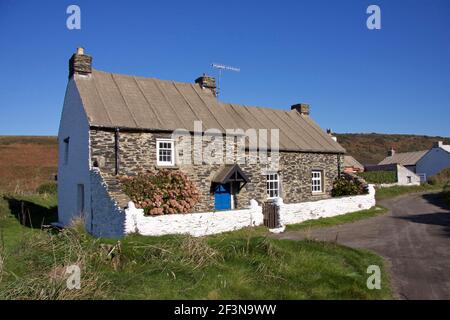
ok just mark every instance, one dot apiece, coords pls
pixel 244 264
pixel 391 192
pixel 337 220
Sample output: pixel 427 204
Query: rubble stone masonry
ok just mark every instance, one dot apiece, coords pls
pixel 137 152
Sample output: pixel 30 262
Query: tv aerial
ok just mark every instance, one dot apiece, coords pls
pixel 220 68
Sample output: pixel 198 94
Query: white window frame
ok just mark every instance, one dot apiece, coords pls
pixel 317 176
pixel 172 151
pixel 272 177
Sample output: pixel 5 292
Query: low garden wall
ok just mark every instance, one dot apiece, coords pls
pixel 195 224
pixel 200 224
pixel 299 212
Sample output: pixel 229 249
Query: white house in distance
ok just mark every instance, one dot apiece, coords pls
pixel 424 163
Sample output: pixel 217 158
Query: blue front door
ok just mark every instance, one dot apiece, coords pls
pixel 222 197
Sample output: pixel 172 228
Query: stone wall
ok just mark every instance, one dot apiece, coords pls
pixel 111 221
pixel 195 224
pixel 137 152
pixel 299 212
pixel 108 219
pixel 201 224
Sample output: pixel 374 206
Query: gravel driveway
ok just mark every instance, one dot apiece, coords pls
pixel 414 237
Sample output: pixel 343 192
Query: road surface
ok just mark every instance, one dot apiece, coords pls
pixel 414 237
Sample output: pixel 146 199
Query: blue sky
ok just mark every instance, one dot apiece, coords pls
pixel 393 80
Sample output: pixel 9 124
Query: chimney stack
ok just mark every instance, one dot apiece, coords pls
pixel 438 144
pixel 80 63
pixel 391 152
pixel 302 108
pixel 207 82
pixel 330 133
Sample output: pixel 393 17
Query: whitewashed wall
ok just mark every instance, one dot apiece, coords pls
pixel 108 220
pixel 73 124
pixel 200 224
pixel 299 212
pixel 403 174
pixel 195 224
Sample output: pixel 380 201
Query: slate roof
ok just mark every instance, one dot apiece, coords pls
pixel 229 173
pixel 405 158
pixel 123 101
pixel 349 161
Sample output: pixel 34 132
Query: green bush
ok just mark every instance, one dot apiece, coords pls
pixel 48 188
pixel 446 192
pixel 442 177
pixel 378 177
pixel 161 192
pixel 347 185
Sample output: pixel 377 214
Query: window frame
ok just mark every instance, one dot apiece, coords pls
pixel 162 163
pixel 66 144
pixel 81 199
pixel 317 178
pixel 278 183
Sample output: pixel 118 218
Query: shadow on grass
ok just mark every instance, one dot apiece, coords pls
pixel 30 214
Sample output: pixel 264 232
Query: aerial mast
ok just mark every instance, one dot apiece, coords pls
pixel 222 67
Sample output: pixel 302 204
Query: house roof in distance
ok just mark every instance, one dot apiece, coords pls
pixel 349 161
pixel 405 158
pixel 122 101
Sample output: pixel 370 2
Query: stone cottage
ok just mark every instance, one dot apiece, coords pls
pixel 114 125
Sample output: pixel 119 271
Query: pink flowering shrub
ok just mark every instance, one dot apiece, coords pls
pixel 161 192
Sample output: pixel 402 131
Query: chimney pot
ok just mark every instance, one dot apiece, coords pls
pixel 80 63
pixel 302 108
pixel 207 82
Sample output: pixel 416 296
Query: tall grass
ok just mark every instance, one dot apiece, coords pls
pixel 47 257
pixel 238 265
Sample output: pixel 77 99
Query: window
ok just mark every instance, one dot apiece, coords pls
pixel 408 179
pixel 66 150
pixel 316 183
pixel 165 152
pixel 80 199
pixel 273 185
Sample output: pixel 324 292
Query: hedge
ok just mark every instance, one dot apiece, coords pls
pixel 378 177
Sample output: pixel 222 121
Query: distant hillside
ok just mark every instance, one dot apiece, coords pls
pixel 26 162
pixel 371 148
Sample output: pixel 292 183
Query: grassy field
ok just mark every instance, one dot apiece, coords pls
pixel 245 264
pixel 26 162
